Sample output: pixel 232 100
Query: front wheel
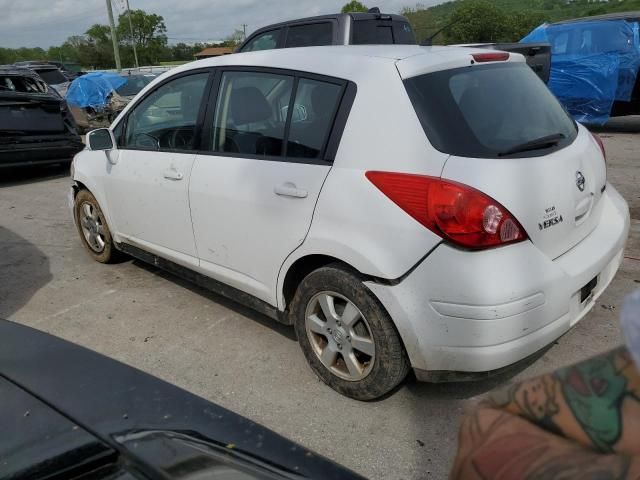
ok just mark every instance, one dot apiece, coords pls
pixel 93 229
pixel 346 335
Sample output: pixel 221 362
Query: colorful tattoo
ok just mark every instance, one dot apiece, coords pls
pixel 594 391
pixel 495 445
pixel 590 394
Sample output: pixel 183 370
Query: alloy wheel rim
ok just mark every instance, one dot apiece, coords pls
pixel 340 336
pixel 92 227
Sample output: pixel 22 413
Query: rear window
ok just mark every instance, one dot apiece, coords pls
pixel 313 34
pixel 52 76
pixel 382 32
pixel 14 83
pixel 485 111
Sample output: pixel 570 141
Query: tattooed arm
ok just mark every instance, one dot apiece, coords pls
pixel 580 422
pixel 497 445
pixel 595 403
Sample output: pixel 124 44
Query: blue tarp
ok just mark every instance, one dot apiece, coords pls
pixel 93 89
pixel 593 64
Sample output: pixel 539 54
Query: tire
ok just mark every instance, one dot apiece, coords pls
pixel 358 322
pixel 93 229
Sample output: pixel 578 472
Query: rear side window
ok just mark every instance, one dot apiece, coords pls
pixel 312 118
pixel 382 32
pixel 313 34
pixel 265 41
pixel 485 111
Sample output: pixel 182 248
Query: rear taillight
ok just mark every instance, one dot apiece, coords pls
pixel 598 140
pixel 456 212
pixel 491 57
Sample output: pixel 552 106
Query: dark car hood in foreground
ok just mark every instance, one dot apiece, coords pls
pixel 57 398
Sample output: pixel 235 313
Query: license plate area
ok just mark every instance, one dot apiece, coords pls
pixel 587 290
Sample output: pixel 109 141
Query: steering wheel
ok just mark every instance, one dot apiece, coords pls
pixel 180 139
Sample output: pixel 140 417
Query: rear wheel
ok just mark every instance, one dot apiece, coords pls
pixel 346 335
pixel 93 228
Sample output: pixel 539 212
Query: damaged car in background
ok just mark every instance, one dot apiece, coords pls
pixel 51 74
pixel 35 123
pixel 96 99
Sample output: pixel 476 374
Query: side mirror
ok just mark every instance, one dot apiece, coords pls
pixel 100 139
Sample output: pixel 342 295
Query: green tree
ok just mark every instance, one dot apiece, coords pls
pixel 183 52
pixel 233 40
pixel 148 32
pixel 354 6
pixel 520 24
pixel 98 49
pixel 477 21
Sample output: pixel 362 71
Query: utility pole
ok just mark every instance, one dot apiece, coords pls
pixel 244 31
pixel 133 39
pixel 114 37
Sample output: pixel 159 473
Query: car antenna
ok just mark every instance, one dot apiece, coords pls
pixel 428 42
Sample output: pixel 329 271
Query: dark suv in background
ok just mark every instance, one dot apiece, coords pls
pixel 373 28
pixel 36 126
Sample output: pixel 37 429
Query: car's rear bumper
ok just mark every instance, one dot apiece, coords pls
pixel 39 150
pixel 481 311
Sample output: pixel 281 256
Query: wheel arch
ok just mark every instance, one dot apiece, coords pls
pixel 299 269
pixel 305 264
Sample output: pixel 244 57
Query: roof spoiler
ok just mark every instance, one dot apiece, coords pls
pixel 379 16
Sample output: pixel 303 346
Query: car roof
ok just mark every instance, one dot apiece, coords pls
pixel 608 16
pixel 354 15
pixel 350 62
pixel 18 71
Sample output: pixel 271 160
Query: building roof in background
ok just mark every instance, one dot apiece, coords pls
pixel 214 52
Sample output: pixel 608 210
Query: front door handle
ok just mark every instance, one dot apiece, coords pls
pixel 290 190
pixel 173 174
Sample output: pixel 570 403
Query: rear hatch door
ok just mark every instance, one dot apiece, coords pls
pixel 510 138
pixel 28 113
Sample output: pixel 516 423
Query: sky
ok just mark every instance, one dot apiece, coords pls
pixel 43 23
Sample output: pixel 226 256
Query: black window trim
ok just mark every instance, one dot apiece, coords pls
pixel 334 30
pixel 331 144
pixel 199 122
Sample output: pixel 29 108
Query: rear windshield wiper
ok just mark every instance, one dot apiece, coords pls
pixel 537 144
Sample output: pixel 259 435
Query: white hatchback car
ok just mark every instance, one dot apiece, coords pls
pixel 402 206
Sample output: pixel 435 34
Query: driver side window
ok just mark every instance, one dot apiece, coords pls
pixel 167 118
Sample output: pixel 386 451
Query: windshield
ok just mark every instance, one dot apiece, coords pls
pixel 52 76
pixel 134 84
pixel 487 110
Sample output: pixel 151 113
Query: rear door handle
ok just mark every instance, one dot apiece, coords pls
pixel 290 190
pixel 173 174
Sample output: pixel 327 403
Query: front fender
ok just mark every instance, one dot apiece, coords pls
pixel 91 170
